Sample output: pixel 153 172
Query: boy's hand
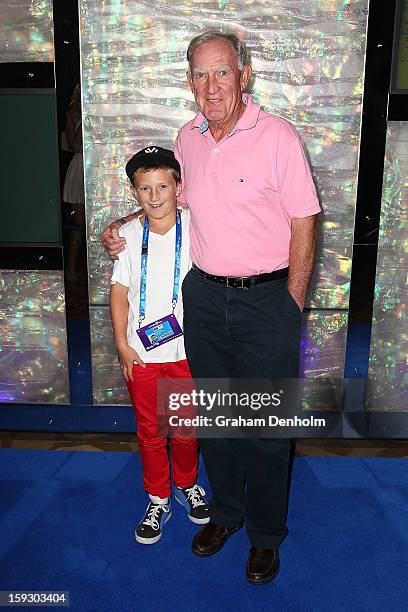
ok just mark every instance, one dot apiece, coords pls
pixel 111 240
pixel 128 357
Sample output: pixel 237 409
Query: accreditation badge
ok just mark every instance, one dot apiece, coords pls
pixel 159 332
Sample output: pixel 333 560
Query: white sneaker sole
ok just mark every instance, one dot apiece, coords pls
pixel 197 521
pixel 142 540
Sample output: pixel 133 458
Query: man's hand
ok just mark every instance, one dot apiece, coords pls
pixel 111 240
pixel 128 357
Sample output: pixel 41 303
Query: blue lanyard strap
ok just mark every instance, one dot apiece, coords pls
pixel 143 266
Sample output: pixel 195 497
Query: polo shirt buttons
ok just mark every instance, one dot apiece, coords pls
pixel 216 150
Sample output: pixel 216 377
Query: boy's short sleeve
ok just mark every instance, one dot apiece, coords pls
pixel 121 270
pixel 296 188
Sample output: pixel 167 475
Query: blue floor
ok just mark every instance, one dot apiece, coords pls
pixel 67 521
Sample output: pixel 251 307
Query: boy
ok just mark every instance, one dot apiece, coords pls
pixel 147 312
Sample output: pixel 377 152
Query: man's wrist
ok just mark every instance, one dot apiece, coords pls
pixel 121 221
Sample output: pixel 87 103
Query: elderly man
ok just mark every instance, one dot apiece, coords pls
pixel 253 209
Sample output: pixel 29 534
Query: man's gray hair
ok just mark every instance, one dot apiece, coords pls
pixel 210 35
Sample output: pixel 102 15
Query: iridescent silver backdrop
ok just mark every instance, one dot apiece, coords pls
pixel 27 31
pixel 388 369
pixel 33 343
pixel 322 344
pixel 308 58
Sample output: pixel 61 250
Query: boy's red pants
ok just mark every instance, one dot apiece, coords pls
pixel 153 449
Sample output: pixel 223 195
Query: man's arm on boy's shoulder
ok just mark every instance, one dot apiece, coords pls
pixel 119 308
pixel 111 240
pixel 115 244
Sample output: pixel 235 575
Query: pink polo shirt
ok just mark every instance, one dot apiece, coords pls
pixel 243 192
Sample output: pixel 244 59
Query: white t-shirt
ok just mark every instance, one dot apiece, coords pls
pixel 159 284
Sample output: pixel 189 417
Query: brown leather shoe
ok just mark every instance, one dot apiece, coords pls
pixel 212 538
pixel 263 565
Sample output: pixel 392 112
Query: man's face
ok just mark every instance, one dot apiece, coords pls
pixel 157 192
pixel 216 81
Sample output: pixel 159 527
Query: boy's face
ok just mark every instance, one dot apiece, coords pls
pixel 157 192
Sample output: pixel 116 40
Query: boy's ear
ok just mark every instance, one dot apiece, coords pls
pixel 179 189
pixel 134 192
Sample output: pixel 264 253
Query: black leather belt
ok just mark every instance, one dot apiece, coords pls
pixel 243 282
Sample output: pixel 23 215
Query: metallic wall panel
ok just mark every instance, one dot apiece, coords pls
pixel 27 31
pixel 322 355
pixel 323 343
pixel 308 60
pixel 322 352
pixel 33 344
pixel 108 383
pixel 388 369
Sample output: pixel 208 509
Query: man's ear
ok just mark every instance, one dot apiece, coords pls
pixel 189 80
pixel 245 76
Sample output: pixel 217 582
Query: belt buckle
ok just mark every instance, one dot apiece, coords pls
pixel 235 282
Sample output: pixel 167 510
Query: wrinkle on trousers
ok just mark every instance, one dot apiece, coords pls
pixel 233 333
pixel 153 447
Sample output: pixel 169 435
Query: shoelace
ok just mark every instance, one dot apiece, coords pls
pixel 195 496
pixel 153 515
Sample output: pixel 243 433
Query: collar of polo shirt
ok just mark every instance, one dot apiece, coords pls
pixel 247 121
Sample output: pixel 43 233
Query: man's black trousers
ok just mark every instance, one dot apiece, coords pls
pixel 235 333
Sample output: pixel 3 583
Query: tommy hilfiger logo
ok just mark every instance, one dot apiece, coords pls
pixel 151 150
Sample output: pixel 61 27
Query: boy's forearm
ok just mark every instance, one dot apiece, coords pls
pixel 119 308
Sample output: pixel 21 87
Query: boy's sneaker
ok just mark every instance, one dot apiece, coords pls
pixel 193 500
pixel 149 531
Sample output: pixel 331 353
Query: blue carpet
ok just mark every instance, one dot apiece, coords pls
pixel 67 521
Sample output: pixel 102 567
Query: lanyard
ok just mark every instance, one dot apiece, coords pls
pixel 143 267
